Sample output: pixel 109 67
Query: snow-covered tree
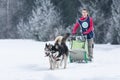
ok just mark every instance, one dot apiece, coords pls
pixel 101 17
pixel 45 23
pixel 115 23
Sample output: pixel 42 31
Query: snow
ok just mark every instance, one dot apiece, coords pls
pixel 24 60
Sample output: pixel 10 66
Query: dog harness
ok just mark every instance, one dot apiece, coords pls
pixel 85 25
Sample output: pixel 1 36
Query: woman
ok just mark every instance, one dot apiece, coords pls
pixel 86 25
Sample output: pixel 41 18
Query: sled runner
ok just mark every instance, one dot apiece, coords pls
pixel 79 49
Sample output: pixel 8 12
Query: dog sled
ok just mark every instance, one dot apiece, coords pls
pixel 78 49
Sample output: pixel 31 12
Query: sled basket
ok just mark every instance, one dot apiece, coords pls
pixel 79 51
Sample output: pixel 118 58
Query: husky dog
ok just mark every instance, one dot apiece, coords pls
pixel 53 52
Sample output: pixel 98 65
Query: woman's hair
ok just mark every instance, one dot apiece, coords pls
pixel 84 9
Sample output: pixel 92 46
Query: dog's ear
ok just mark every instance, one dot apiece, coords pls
pixel 46 44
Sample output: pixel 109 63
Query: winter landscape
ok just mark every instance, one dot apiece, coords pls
pixel 25 60
pixel 28 19
pixel 26 25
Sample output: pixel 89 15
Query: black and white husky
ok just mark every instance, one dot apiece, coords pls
pixel 52 51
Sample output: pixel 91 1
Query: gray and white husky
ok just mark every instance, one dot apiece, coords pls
pixel 52 52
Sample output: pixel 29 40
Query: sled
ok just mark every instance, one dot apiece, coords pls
pixel 79 49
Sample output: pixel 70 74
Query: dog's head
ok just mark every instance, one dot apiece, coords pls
pixel 50 50
pixel 48 47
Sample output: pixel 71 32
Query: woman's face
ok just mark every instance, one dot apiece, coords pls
pixel 84 13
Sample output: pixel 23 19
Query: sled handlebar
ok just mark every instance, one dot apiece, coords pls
pixel 81 38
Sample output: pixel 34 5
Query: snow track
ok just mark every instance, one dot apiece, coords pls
pixel 24 60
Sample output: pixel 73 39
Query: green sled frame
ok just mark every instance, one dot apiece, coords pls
pixel 78 51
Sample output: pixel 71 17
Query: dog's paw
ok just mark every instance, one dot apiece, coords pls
pixel 64 67
pixel 50 68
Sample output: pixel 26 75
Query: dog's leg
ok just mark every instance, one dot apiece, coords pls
pixel 65 61
pixel 53 64
pixel 61 61
pixel 57 64
pixel 50 62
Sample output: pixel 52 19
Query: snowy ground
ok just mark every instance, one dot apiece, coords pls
pixel 24 60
